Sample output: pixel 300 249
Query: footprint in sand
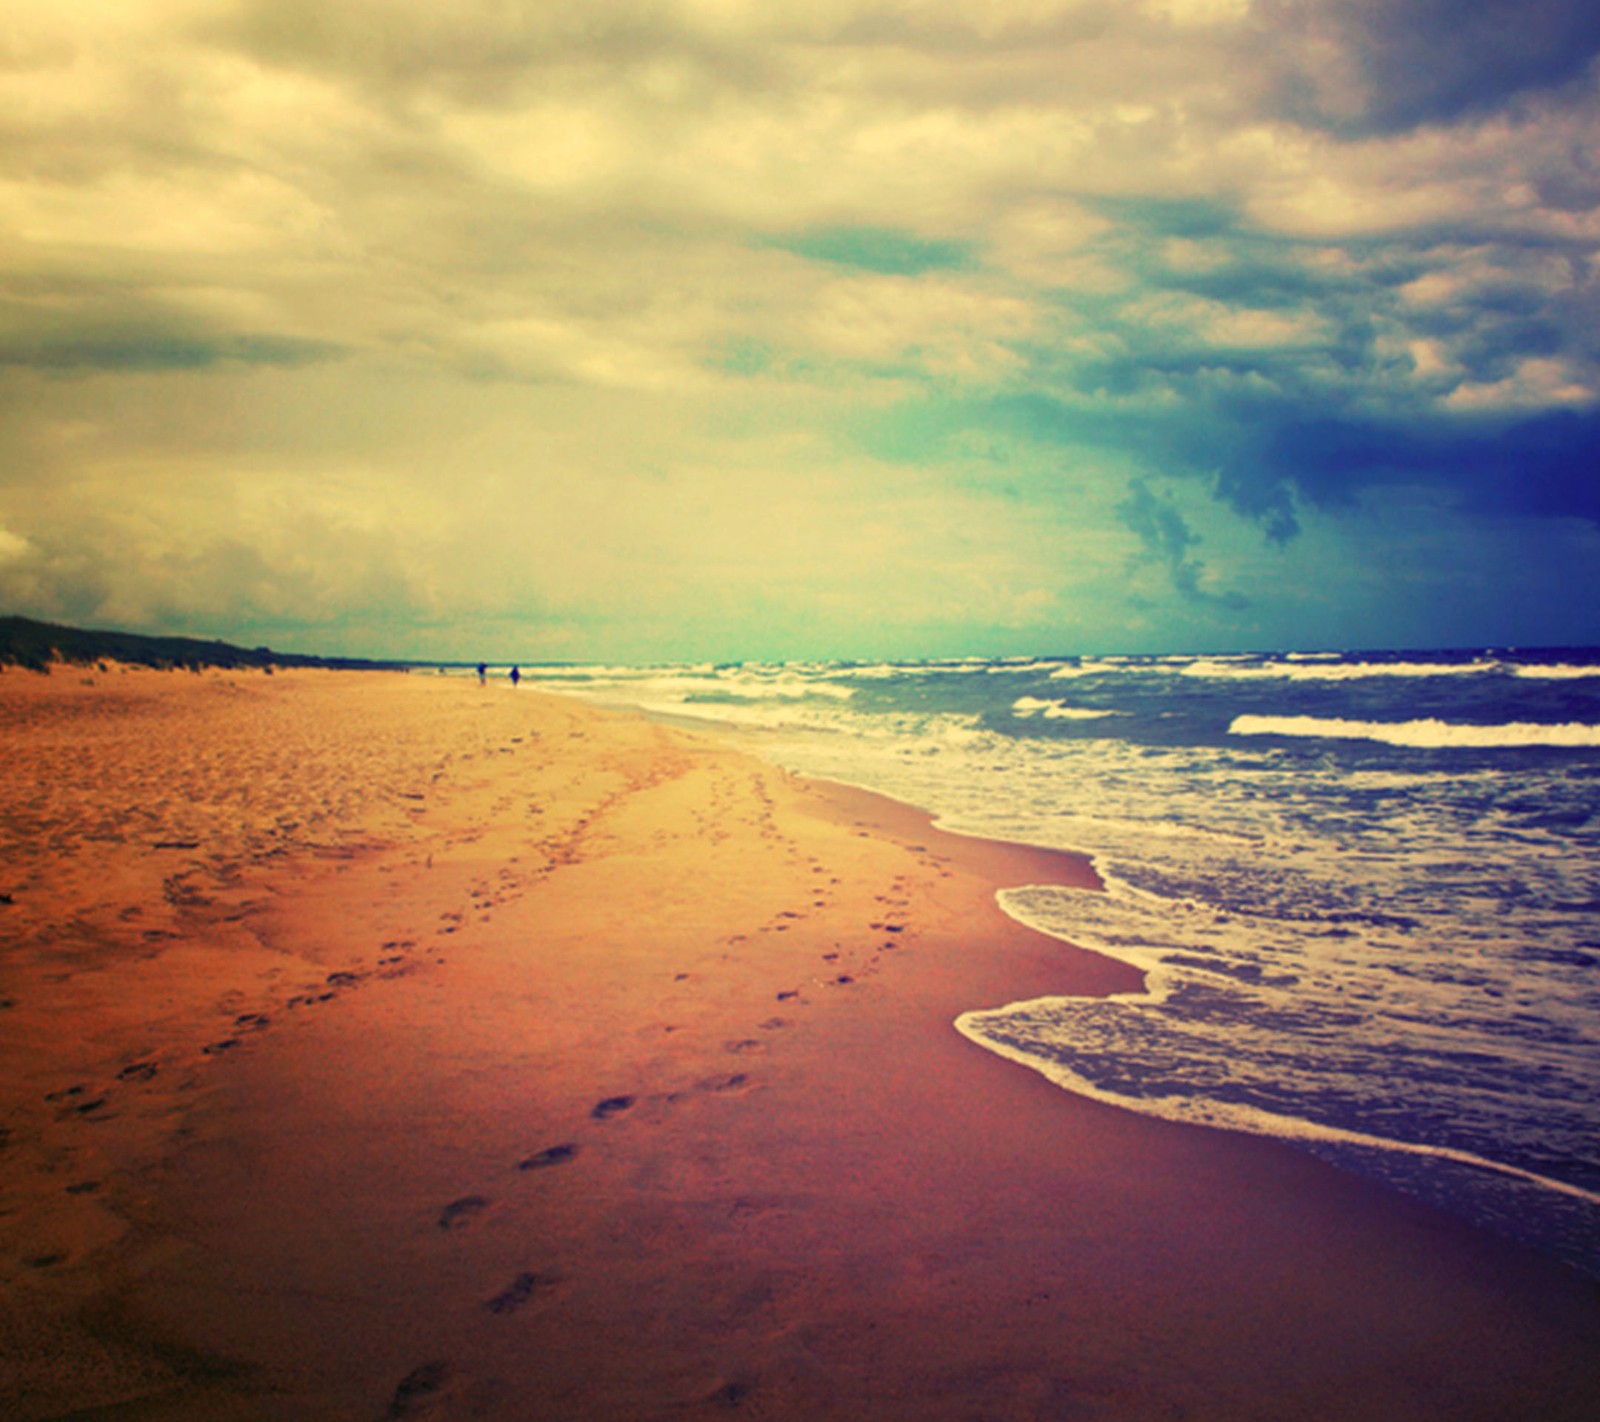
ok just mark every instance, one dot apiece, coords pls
pixel 612 1106
pixel 311 999
pixel 747 1044
pixel 459 1213
pixel 736 1084
pixel 731 1394
pixel 419 1390
pixel 550 1155
pixel 524 1287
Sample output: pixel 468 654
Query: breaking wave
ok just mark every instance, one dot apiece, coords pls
pixel 1333 671
pixel 1425 734
pixel 1026 706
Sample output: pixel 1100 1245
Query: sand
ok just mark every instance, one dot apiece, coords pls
pixel 383 1046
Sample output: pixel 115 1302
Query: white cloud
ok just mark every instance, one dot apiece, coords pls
pixel 1536 384
pixel 13 547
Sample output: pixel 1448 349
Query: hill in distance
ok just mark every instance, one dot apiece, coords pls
pixel 39 645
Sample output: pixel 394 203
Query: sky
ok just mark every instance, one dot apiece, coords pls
pixel 723 329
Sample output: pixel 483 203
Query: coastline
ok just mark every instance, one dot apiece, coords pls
pixel 388 1046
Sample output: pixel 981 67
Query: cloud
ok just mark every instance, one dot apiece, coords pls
pixel 654 270
pixel 1544 467
pixel 144 348
pixel 1380 66
pixel 13 549
pixel 1168 541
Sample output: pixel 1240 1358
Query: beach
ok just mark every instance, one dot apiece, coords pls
pixel 379 1045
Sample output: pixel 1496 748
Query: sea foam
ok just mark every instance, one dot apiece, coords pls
pixel 1424 734
pixel 1217 669
pixel 1025 706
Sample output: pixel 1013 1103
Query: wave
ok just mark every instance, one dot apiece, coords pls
pixel 1556 671
pixel 884 671
pixel 996 1029
pixel 684 684
pixel 1052 665
pixel 1214 669
pixel 1025 706
pixel 986 1029
pixel 1425 734
pixel 768 689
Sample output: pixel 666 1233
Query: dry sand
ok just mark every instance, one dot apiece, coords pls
pixel 379 1046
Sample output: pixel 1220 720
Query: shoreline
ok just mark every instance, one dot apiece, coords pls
pixel 510 1059
pixel 1365 1153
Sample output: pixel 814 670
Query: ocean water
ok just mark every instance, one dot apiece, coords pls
pixel 1364 889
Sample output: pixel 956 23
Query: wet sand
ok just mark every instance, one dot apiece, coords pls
pixel 379 1046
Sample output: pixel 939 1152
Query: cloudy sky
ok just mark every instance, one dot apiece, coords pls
pixel 731 329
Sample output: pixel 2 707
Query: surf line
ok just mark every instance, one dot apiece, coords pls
pixel 1249 1120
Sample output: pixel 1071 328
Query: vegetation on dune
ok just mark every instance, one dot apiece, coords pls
pixel 38 645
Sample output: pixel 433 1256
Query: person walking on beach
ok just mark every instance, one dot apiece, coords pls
pixel 483 673
pixel 516 676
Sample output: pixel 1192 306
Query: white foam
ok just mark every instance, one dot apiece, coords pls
pixel 1231 1116
pixel 1119 924
pixel 1007 668
pixel 1025 707
pixel 678 684
pixel 1556 671
pixel 882 671
pixel 1424 734
pixel 781 688
pixel 1216 669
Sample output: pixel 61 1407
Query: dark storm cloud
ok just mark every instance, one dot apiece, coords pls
pixel 1168 542
pixel 1382 66
pixel 1544 467
pixel 1285 373
pixel 1270 460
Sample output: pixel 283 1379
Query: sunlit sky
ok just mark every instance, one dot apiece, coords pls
pixel 730 329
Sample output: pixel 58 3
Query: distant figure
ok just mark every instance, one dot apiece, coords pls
pixel 516 676
pixel 483 673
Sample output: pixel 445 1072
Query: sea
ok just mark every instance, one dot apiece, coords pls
pixel 1364 888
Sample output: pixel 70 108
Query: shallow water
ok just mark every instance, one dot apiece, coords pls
pixel 1365 889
